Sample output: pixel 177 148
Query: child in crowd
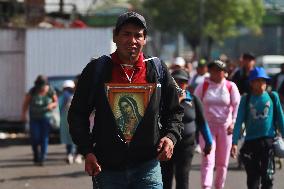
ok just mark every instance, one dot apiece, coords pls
pixel 260 111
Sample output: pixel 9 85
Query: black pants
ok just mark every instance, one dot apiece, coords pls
pixel 258 158
pixel 179 165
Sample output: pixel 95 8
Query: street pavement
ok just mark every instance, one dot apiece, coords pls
pixel 18 172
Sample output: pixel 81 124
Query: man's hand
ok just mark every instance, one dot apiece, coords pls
pixel 91 165
pixel 165 149
pixel 207 149
pixel 234 151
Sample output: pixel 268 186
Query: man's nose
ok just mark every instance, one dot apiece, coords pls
pixel 132 39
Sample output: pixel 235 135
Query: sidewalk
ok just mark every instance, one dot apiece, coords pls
pixel 17 170
pixel 8 139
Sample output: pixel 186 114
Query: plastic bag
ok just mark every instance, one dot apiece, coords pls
pixel 54 118
pixel 278 147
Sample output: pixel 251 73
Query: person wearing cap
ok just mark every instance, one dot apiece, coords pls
pixel 257 111
pixel 194 122
pixel 111 160
pixel 201 74
pixel 64 103
pixel 240 76
pixel 220 99
pixel 178 63
pixel 39 101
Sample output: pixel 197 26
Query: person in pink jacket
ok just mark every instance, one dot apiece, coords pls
pixel 220 99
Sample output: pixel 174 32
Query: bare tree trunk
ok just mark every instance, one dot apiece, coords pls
pixel 209 47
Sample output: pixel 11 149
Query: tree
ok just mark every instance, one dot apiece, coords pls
pixel 214 20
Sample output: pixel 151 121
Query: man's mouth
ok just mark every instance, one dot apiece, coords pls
pixel 131 49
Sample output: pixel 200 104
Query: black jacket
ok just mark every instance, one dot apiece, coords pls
pixel 241 80
pixel 110 149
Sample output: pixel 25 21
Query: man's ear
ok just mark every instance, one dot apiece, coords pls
pixel 145 41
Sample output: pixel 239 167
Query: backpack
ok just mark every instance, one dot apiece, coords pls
pixel 206 85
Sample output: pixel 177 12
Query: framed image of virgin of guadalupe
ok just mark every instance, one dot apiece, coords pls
pixel 128 103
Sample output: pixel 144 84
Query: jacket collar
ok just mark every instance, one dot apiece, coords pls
pixel 139 64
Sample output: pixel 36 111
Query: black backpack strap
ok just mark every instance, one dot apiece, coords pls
pixel 160 72
pixel 158 68
pixel 99 70
pixel 247 98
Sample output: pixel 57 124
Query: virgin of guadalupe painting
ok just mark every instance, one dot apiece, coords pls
pixel 130 116
pixel 128 104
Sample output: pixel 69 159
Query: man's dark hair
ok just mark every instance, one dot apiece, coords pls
pixel 248 56
pixel 130 21
pixel 130 18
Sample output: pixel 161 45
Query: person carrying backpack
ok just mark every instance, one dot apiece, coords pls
pixel 220 99
pixel 262 114
pixel 113 160
pixel 40 101
pixel 194 123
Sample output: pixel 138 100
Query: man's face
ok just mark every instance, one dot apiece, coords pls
pixel 248 64
pixel 201 70
pixel 129 41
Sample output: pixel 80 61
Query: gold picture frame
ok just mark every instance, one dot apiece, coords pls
pixel 128 103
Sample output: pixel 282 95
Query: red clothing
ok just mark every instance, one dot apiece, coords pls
pixel 119 72
pixel 78 24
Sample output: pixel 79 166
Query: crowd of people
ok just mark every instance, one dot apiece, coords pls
pixel 238 104
pixel 147 143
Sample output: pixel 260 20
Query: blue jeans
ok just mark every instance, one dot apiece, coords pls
pixel 144 176
pixel 39 133
pixel 70 149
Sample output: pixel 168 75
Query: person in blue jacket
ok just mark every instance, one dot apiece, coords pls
pixel 261 119
pixel 194 122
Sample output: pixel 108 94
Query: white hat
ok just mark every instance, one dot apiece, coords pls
pixel 179 61
pixel 68 84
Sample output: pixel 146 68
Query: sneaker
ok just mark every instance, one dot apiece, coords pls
pixel 78 159
pixel 198 149
pixel 70 159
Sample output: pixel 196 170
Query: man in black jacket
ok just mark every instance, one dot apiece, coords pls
pixel 240 77
pixel 113 161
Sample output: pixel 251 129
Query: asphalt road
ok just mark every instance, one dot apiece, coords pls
pixel 18 172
